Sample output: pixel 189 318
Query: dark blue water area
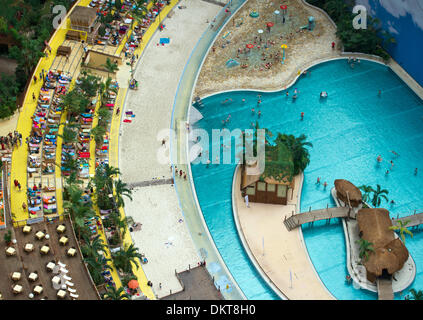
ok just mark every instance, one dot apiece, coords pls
pixel 348 131
pixel 408 50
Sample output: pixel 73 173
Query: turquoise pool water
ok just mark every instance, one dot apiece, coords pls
pixel 348 130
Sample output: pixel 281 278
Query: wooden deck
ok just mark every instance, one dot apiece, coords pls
pixel 297 220
pixel 384 289
pixel 414 220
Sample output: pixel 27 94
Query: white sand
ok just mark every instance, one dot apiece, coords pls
pixel 158 74
pixel 157 207
pixel 163 239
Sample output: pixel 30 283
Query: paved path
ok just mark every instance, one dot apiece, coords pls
pixel 165 241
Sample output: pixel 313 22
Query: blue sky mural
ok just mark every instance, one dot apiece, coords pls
pixel 404 20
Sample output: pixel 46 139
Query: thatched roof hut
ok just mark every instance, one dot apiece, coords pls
pixel 390 253
pixel 83 18
pixel 343 187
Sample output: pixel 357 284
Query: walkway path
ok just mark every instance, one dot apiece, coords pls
pixel 285 256
pixel 165 241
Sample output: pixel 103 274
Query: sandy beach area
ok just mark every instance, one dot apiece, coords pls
pixel 302 48
pixel 163 238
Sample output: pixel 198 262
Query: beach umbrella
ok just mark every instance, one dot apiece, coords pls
pixel 284 9
pixel 133 284
pixel 249 46
pixel 269 25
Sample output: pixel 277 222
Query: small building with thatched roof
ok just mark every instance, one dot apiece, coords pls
pixel 83 18
pixel 272 185
pixel 346 190
pixel 390 253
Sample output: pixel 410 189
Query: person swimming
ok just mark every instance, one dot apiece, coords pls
pixel 379 159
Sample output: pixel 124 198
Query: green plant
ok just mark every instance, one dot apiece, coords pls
pixel 298 148
pixel 123 258
pixel 121 189
pixel 366 248
pixel 8 236
pixel 98 133
pixel 116 294
pixel 416 295
pixel 110 66
pixel 366 192
pixel 402 229
pixel 378 195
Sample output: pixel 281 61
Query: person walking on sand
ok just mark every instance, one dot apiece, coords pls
pixel 16 182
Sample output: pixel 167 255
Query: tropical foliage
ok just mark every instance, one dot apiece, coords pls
pixel 372 40
pixel 401 227
pixel 366 248
pixel 416 294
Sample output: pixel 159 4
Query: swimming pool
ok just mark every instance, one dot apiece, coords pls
pixel 348 130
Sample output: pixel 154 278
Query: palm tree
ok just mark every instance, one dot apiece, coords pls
pixel 416 295
pixel 124 257
pixel 367 190
pixel 77 209
pixel 122 190
pixel 69 135
pixel 120 224
pixel 365 248
pixel 95 266
pixel 113 294
pixel 378 195
pixel 401 227
pixel 110 66
pixel 98 133
pixel 91 248
pixel 297 146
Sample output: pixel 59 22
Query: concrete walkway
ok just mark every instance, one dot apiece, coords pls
pixel 165 241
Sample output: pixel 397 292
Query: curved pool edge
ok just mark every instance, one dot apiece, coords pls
pixel 244 243
pixel 186 193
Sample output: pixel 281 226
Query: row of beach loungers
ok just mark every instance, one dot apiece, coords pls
pixel 42 144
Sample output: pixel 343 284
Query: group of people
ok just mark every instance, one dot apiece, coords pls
pixel 11 140
pixel 324 184
pixel 379 160
pixel 179 172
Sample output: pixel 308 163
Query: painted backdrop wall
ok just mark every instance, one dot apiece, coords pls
pixel 404 20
